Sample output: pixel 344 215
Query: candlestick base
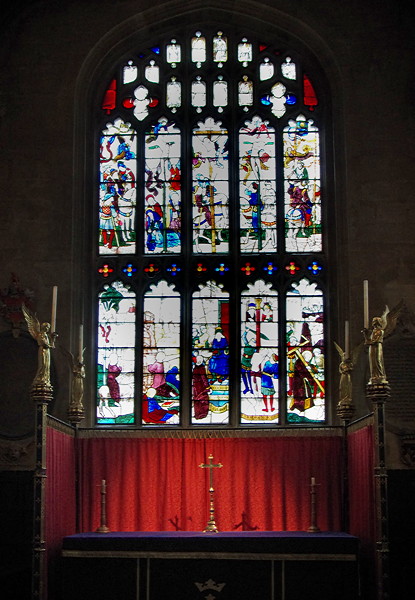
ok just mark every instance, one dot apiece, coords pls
pixel 211 527
pixel 102 529
pixel 313 529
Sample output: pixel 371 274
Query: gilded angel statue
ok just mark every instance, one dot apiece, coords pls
pixel 46 340
pixel 345 369
pixel 381 327
pixel 78 371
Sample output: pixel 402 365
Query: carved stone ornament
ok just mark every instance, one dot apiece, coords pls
pixel 408 451
pixel 17 455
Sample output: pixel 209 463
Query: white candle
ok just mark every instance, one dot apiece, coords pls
pixel 54 305
pixel 81 342
pixel 313 481
pixel 346 339
pixel 365 303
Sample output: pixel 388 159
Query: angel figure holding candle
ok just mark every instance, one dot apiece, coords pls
pixel 78 372
pixel 374 339
pixel 46 340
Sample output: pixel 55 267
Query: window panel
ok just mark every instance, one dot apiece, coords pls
pixel 305 353
pixel 161 355
pixel 116 355
pixel 210 355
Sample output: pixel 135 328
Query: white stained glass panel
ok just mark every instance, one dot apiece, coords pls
pixel 288 69
pixel 198 93
pixel 174 94
pixel 245 52
pixel 266 70
pixel 173 53
pixel 129 72
pixel 198 51
pixel 220 93
pixel 152 72
pixel 220 48
pixel 245 92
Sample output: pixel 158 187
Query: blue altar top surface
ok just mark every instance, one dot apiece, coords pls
pixel 300 542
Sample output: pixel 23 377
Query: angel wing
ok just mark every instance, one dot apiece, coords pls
pixel 68 355
pixel 32 321
pixel 339 350
pixel 354 355
pixel 390 318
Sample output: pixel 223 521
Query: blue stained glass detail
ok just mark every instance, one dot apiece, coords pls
pixel 315 267
pixel 270 268
pixel 174 269
pixel 265 100
pixel 290 99
pixel 129 270
pixel 156 49
pixel 222 269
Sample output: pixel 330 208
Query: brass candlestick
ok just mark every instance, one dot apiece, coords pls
pixel 211 525
pixel 313 527
pixel 103 527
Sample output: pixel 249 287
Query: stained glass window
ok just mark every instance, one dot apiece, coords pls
pixel 210 235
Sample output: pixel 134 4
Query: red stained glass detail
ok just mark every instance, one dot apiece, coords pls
pixel 262 47
pixel 153 102
pixel 292 268
pixel 310 98
pixel 151 268
pixel 128 103
pixel 248 269
pixel 110 97
pixel 105 270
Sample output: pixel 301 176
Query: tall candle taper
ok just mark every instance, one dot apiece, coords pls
pixel 81 342
pixel 365 303
pixel 54 305
pixel 346 339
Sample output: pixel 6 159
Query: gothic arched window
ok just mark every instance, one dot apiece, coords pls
pixel 210 235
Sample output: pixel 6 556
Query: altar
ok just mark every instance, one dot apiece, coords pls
pixel 277 565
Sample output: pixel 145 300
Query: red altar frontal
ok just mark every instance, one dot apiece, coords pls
pixel 218 566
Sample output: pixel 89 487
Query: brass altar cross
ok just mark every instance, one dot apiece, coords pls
pixel 211 526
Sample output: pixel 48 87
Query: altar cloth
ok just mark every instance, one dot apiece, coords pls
pixel 249 564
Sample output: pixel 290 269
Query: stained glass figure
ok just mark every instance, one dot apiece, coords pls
pixel 141 102
pixel 173 53
pixel 198 94
pixel 220 93
pixel 305 353
pixel 162 188
pixel 245 92
pixel 152 72
pixel 173 94
pixel 288 69
pixel 117 194
pixel 257 173
pixel 302 186
pixel 210 188
pixel 116 355
pixel 266 70
pixel 245 52
pixel 210 355
pixel 161 355
pixel 278 99
pixel 220 49
pixel 129 73
pixel 198 51
pixel 259 354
